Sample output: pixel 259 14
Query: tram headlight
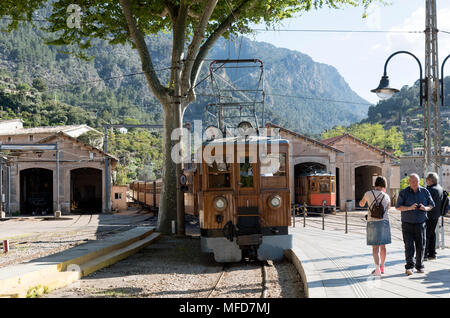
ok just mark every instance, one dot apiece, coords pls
pixel 275 201
pixel 220 203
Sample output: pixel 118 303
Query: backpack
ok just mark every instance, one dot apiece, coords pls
pixel 445 203
pixel 376 209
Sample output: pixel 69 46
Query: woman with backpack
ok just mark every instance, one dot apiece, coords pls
pixel 378 227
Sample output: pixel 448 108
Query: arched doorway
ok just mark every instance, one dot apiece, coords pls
pixel 36 191
pixel 302 169
pixel 86 190
pixel 365 180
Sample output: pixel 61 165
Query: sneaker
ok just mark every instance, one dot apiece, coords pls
pixel 409 272
pixel 425 258
pixel 421 271
pixel 432 258
pixel 382 269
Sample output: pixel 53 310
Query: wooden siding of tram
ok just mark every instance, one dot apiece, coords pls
pixel 149 193
pixel 264 187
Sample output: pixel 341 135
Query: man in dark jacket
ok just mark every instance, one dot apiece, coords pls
pixel 414 202
pixel 436 192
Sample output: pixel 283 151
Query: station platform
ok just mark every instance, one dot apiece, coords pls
pixel 339 265
pixel 63 268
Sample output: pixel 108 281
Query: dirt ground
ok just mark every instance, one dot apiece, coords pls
pixel 176 267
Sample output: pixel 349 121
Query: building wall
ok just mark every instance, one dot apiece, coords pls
pixel 72 156
pixel 23 139
pixel 10 125
pixel 356 155
pixel 119 203
pixel 414 164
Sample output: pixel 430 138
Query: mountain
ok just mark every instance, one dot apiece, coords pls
pixel 403 110
pixel 314 96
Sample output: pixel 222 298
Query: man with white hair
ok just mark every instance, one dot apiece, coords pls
pixel 414 202
pixel 437 193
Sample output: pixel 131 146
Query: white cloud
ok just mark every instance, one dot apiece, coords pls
pixel 415 42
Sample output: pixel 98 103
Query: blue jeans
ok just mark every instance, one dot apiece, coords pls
pixel 414 238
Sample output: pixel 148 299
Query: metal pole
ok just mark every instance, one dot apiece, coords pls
pixel 9 190
pixel 428 88
pixel 57 178
pixel 107 179
pixel 293 215
pixel 323 216
pixel 154 194
pixel 346 220
pixel 1 184
pixel 304 214
pixel 436 88
pixel 179 166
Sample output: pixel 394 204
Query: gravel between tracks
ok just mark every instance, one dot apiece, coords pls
pixel 176 267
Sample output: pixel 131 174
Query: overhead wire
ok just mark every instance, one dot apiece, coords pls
pixel 277 30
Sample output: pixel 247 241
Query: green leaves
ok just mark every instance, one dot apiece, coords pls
pixel 374 134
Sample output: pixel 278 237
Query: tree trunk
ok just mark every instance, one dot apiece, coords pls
pixel 168 198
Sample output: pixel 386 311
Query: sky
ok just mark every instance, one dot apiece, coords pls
pixel 360 57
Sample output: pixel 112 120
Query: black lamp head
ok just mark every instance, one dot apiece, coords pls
pixel 383 90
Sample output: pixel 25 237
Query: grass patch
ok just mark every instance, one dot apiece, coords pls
pixel 37 291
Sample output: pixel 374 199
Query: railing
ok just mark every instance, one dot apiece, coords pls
pixel 146 193
pixel 356 222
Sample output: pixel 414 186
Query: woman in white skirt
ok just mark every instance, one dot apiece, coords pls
pixel 378 229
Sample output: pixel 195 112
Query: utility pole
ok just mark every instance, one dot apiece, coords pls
pixel 428 88
pixel 433 98
pixel 436 93
pixel 107 208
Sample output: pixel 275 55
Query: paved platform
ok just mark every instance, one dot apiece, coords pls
pixel 338 265
pixel 54 271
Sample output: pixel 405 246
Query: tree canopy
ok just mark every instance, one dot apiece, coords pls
pixel 374 134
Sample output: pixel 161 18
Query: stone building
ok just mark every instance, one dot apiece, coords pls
pixel 354 162
pixel 414 164
pixel 30 180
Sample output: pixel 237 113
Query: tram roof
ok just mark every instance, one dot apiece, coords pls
pixel 248 140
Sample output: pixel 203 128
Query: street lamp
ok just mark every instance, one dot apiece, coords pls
pixel 383 90
pixel 442 80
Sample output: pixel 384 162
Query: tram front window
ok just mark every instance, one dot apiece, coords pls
pixel 219 175
pixel 273 165
pixel 324 187
pixel 246 174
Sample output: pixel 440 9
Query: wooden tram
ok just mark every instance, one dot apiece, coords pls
pixel 240 185
pixel 149 193
pixel 244 203
pixel 316 189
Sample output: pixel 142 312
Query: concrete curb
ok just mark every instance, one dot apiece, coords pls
pixel 290 255
pixel 61 269
pixel 312 282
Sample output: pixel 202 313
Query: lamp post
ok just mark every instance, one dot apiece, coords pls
pixel 442 80
pixel 432 87
pixel 383 91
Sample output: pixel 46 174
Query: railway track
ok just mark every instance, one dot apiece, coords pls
pixel 221 281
